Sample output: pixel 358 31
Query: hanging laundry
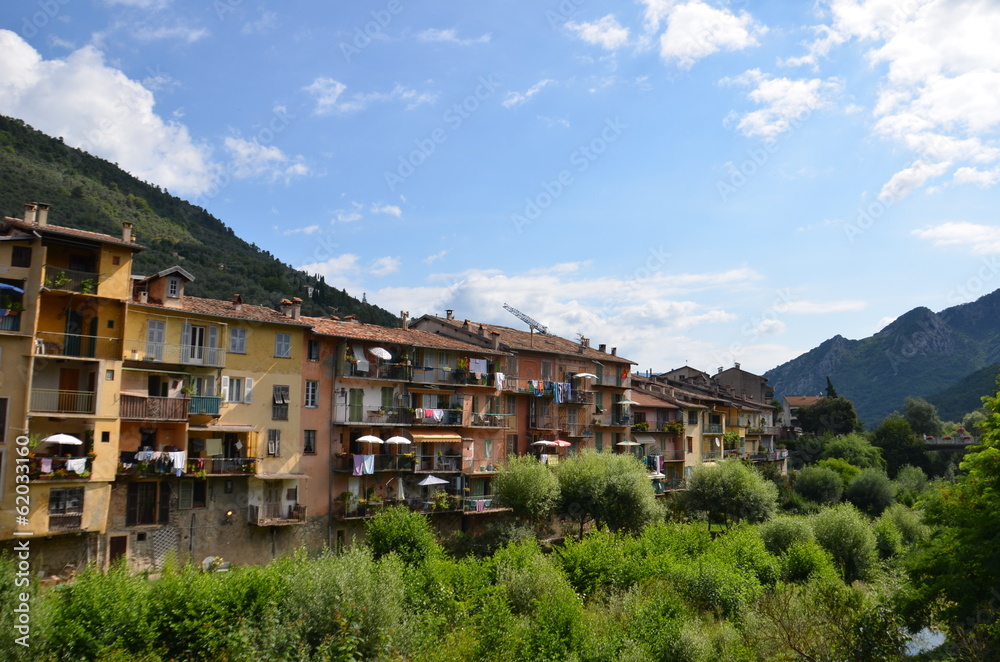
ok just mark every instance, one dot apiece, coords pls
pixel 178 459
pixel 369 464
pixel 77 465
pixel 46 465
pixel 498 379
pixel 359 465
pixel 477 365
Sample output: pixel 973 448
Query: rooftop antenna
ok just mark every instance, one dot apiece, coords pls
pixel 534 325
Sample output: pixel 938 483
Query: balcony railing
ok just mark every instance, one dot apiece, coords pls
pixel 73 344
pixel 10 322
pixel 712 428
pixel 57 278
pixel 382 462
pixel 391 372
pixel 662 485
pixel 450 463
pixel 205 404
pixel 488 420
pixel 380 416
pixel 276 514
pixel 153 408
pixel 159 352
pixel 711 456
pixel 231 465
pixel 438 417
pixel 576 429
pixel 66 522
pixel 63 402
pixel 542 422
pixel 478 504
pixel 578 397
pixel 361 508
pixel 60 468
pixel 672 455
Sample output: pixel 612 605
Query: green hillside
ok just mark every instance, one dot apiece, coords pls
pixel 92 194
pixel 958 400
pixel 920 354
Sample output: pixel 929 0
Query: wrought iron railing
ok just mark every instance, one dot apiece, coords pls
pixel 153 408
pixel 63 402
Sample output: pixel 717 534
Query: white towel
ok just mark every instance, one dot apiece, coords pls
pixel 438 415
pixel 213 446
pixel 498 378
pixel 359 354
pixel 77 465
pixel 179 458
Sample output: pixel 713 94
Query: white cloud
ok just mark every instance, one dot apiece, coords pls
pixel 384 266
pixel 910 179
pixel 142 4
pixel 159 33
pixel 434 35
pixel 981 239
pixel 696 30
pixel 248 158
pixel 268 21
pixel 98 109
pixel 517 98
pixel 983 178
pixel 309 229
pixel 327 93
pixel 784 101
pixel 391 210
pixel 606 32
pixel 431 259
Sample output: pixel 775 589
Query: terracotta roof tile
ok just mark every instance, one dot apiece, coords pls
pixel 650 400
pixel 220 308
pixel 73 232
pixel 411 337
pixel 802 400
pixel 535 342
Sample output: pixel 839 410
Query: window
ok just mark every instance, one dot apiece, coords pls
pixel 235 391
pixel 309 442
pixel 116 260
pixel 274 443
pixel 3 420
pixel 173 288
pixel 283 345
pixel 313 351
pixel 147 503
pixel 599 441
pixel 20 256
pixel 279 408
pixel 356 404
pixel 547 370
pixel 692 417
pixel 388 395
pixel 65 509
pixel 105 436
pixel 312 394
pixel 690 444
pixel 487 448
pixel 156 335
pixel 238 341
pixel 192 494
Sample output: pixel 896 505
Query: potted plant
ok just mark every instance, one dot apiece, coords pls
pixel 88 286
pixel 58 281
pixel 642 426
pixel 13 308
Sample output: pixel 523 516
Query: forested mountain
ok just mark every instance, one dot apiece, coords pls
pixel 89 193
pixel 920 354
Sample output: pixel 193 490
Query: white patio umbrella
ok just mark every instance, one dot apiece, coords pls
pixel 544 442
pixel 381 353
pixel 581 375
pixel 627 442
pixel 432 480
pixel 398 440
pixel 562 443
pixel 62 438
pixel 627 402
pixel 369 439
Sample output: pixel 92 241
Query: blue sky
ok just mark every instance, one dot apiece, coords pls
pixel 690 181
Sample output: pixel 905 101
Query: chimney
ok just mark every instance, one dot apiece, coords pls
pixel 126 232
pixel 286 307
pixel 482 330
pixel 614 351
pixel 144 297
pixel 737 365
pixel 449 314
pixel 43 213
pixel 352 319
pixel 405 316
pixel 296 308
pixel 237 301
pixel 602 347
pixel 496 339
pixel 465 325
pixel 29 212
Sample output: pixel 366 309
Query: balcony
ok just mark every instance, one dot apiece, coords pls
pixel 221 466
pixel 276 514
pixel 711 456
pixel 48 343
pixel 390 372
pixel 380 416
pixel 672 455
pixel 382 463
pixel 543 422
pixel 204 404
pixel 664 485
pixel 153 408
pixel 578 397
pixel 62 402
pixel 576 429
pixel 66 521
pixel 69 280
pixel 360 508
pixel 712 428
pixel 489 420
pixel 438 463
pixel 480 504
pixel 60 468
pixel 771 456
pixel 10 322
pixel 437 417
pixel 158 352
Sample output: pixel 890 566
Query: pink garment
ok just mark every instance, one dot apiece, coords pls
pixel 359 465
pixel 46 465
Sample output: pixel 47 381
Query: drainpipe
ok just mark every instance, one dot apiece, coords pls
pixel 333 425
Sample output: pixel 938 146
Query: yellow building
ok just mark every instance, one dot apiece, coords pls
pixel 64 294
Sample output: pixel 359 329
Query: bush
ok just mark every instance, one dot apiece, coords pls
pixel 845 469
pixel 819 484
pixel 527 487
pixel 911 482
pixel 871 491
pixel 779 533
pixel 855 449
pixel 730 492
pixel 400 530
pixel 909 523
pixel 888 539
pixel 804 560
pixel 843 531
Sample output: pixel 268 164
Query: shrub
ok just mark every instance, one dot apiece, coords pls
pixel 871 491
pixel 819 484
pixel 844 469
pixel 400 530
pixel 911 482
pixel 744 548
pixel 843 531
pixel 779 533
pixel 731 492
pixel 528 487
pixel 909 523
pixel 805 559
pixel 855 449
pixel 888 539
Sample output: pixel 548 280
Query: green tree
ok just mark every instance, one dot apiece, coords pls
pixel 899 444
pixel 845 533
pixel 833 415
pixel 730 492
pixel 830 391
pixel 911 482
pixel 922 417
pixel 856 449
pixel 400 530
pixel 612 489
pixel 819 484
pixel 844 469
pixel 527 487
pixel 871 491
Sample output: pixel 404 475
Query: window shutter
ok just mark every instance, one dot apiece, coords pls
pixel 132 504
pixel 248 390
pixel 185 495
pixel 225 388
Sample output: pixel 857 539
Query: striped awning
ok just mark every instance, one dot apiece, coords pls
pixel 437 438
pixel 644 438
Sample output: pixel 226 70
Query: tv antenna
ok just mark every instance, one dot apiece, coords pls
pixel 535 326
